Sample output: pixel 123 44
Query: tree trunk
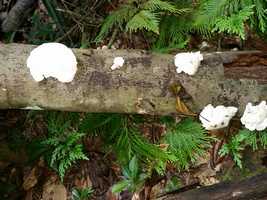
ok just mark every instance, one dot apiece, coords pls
pixel 140 86
pixel 247 189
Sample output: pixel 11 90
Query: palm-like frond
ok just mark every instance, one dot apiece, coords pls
pixel 154 5
pixel 144 20
pixel 118 19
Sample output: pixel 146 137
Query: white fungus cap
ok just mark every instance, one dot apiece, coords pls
pixel 255 117
pixel 188 62
pixel 216 118
pixel 52 60
pixel 117 63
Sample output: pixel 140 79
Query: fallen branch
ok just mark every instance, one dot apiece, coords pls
pixel 247 189
pixel 140 86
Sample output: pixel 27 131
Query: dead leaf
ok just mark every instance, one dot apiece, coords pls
pixel 182 108
pixel 52 190
pixel 30 180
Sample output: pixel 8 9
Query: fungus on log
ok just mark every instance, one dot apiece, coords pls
pixel 141 86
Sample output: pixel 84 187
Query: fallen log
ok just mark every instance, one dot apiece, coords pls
pixel 247 189
pixel 140 86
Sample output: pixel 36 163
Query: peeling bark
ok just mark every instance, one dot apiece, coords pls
pixel 140 86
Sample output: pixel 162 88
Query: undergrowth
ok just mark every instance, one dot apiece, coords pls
pixel 173 22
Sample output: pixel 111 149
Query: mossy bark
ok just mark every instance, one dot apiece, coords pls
pixel 140 86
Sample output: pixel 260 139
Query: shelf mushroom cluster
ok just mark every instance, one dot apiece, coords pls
pixel 212 118
pixel 254 117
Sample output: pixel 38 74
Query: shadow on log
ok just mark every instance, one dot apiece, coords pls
pixel 140 86
pixel 254 188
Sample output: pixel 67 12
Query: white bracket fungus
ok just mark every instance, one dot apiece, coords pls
pixel 188 62
pixel 216 118
pixel 52 60
pixel 117 63
pixel 255 117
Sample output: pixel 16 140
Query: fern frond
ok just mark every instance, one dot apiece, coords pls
pixel 117 18
pixel 144 20
pixel 154 5
pixel 234 24
pixel 174 33
pixel 120 134
pixel 129 143
pixel 187 140
pixel 263 139
pixel 64 151
pixel 235 146
pixel 260 15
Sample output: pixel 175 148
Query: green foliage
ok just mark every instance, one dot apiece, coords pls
pixel 235 146
pixel 174 33
pixel 40 31
pixel 144 20
pixel 234 24
pixel 82 193
pixel 173 184
pixel 137 15
pixel 63 144
pixel 238 142
pixel 121 134
pixel 187 140
pixel 230 16
pixel 134 178
pixel 174 22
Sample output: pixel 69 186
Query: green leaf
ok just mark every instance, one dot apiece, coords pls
pixel 263 139
pixel 120 186
pixel 133 166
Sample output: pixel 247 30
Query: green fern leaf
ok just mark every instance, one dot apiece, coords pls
pixel 144 20
pixel 187 140
pixel 154 5
pixel 117 18
pixel 235 23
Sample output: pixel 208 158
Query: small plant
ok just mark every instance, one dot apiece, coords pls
pixel 137 15
pixel 82 193
pixel 63 144
pixel 173 22
pixel 234 147
pixel 231 16
pixel 122 136
pixel 187 140
pixel 134 178
pixel 40 31
pixel 238 142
